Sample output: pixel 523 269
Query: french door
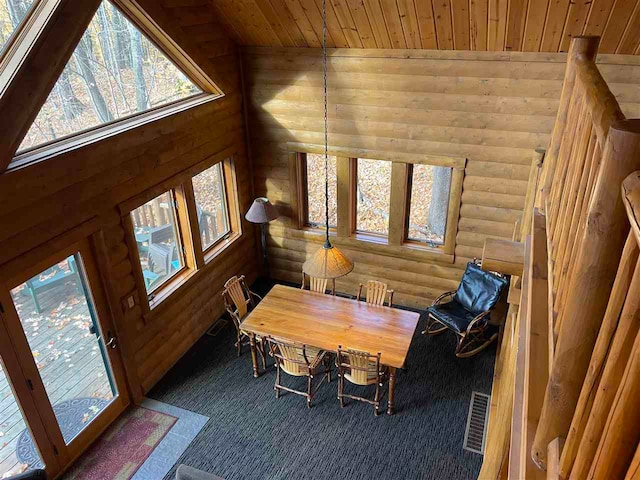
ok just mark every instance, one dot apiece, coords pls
pixel 62 380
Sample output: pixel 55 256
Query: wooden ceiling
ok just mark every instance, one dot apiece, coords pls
pixel 512 25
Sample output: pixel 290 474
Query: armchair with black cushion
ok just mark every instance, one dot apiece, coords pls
pixel 468 312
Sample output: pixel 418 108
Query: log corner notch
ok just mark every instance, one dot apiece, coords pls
pixel 503 256
pixel 600 246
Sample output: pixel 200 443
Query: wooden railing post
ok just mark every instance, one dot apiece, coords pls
pixel 586 48
pixel 600 245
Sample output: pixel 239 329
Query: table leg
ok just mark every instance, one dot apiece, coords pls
pixel 254 355
pixel 391 404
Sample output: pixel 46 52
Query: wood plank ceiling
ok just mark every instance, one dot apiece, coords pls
pixel 497 25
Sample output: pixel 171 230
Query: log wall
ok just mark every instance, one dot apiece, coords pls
pixel 42 201
pixel 492 108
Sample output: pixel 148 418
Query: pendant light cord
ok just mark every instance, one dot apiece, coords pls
pixel 327 243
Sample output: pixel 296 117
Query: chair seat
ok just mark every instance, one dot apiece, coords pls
pixel 372 377
pixel 453 315
pixel 314 355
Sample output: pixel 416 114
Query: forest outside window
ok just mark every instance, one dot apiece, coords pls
pixel 114 73
pixel 157 236
pixel 211 206
pixel 314 170
pixel 429 203
pixel 12 14
pixel 373 193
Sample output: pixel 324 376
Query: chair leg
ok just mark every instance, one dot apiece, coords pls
pixel 239 344
pixel 277 381
pixel 263 352
pixel 474 343
pixel 433 327
pixel 376 406
pixel 309 390
pixel 340 389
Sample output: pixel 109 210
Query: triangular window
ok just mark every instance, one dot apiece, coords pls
pixel 114 72
pixel 12 13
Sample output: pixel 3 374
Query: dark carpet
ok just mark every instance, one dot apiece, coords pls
pixel 251 434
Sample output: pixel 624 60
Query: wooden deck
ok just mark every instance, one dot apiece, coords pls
pixel 67 355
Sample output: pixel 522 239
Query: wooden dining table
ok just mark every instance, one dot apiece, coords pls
pixel 326 322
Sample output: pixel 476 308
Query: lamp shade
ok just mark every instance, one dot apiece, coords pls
pixel 327 262
pixel 261 211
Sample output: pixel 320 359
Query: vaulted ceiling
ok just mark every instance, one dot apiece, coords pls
pixel 511 25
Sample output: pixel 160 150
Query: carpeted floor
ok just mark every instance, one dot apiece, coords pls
pixel 251 434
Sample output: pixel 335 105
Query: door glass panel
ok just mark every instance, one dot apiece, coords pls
pixel 59 320
pixel 17 451
pixel 213 219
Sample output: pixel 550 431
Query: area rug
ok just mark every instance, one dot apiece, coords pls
pixel 124 447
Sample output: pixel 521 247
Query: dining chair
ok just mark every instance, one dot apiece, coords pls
pixel 318 284
pixel 363 369
pixel 239 301
pixel 299 360
pixel 376 293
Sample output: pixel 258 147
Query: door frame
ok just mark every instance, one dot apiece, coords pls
pixel 80 240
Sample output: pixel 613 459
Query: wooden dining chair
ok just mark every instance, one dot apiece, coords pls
pixel 318 284
pixel 361 368
pixel 376 293
pixel 299 360
pixel 239 301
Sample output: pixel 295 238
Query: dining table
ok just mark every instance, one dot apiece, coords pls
pixel 328 321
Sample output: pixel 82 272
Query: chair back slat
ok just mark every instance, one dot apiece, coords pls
pixel 318 284
pixel 376 291
pixel 361 366
pixel 292 357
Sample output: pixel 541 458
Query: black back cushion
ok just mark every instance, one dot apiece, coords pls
pixel 479 291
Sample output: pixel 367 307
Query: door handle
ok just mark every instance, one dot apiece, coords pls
pixel 112 343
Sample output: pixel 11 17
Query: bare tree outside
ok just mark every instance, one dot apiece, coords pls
pixel 316 190
pixel 12 13
pixel 114 72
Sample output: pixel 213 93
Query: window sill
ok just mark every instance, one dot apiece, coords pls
pixel 181 283
pixel 370 244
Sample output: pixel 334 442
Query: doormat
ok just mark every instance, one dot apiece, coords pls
pixel 124 447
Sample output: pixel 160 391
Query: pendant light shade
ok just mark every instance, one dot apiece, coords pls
pixel 327 262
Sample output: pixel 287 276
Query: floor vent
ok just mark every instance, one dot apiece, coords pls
pixel 476 431
pixel 217 327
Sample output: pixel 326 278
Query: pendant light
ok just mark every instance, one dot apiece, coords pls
pixel 328 262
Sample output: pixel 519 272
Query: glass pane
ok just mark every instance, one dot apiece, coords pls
pixel 59 320
pixel 374 194
pixel 114 72
pixel 17 452
pixel 156 232
pixel 315 190
pixel 211 204
pixel 12 12
pixel 430 188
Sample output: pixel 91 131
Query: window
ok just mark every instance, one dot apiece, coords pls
pixel 373 196
pixel 115 72
pixel 12 13
pixel 155 227
pixel 429 205
pixel 179 227
pixel 211 205
pixel 315 190
pixel 391 203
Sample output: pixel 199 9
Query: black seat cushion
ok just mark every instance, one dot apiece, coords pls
pixel 479 291
pixel 453 315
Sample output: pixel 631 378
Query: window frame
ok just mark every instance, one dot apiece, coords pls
pixel 195 259
pixel 396 243
pixel 30 29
